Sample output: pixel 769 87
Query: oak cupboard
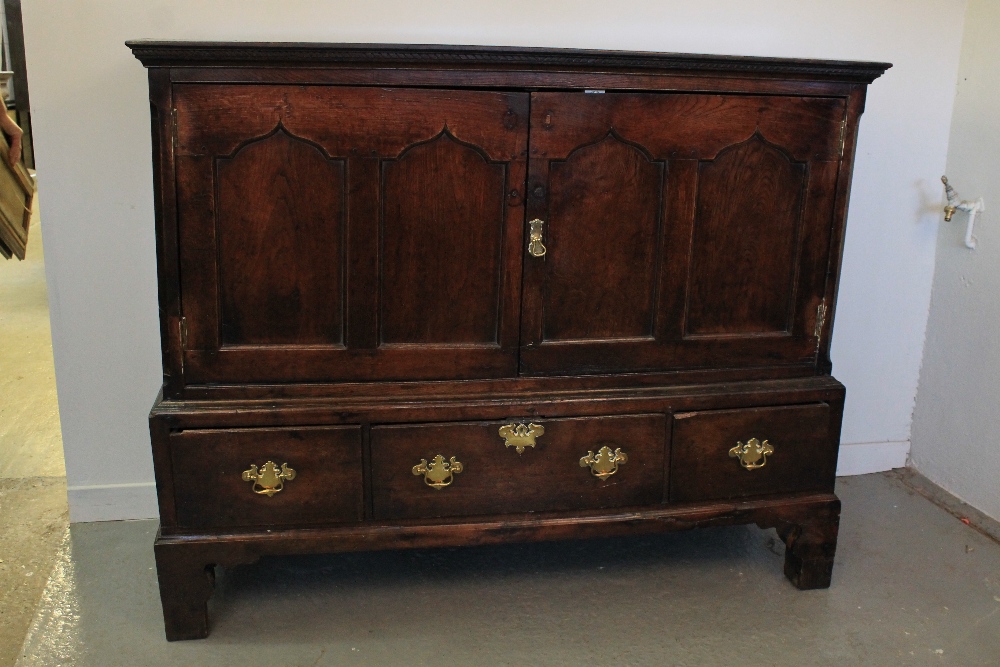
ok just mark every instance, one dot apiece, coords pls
pixel 418 296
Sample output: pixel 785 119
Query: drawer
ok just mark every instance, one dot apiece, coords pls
pixel 267 476
pixel 705 466
pixel 496 479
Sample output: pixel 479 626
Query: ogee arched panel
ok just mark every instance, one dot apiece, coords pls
pixel 280 228
pixel 441 241
pixel 745 242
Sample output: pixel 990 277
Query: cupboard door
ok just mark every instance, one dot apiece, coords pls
pixel 334 233
pixel 680 230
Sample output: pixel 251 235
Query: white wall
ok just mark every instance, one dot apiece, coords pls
pixel 956 427
pixel 91 120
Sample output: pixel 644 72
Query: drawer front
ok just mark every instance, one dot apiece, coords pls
pixel 222 477
pixel 708 461
pixel 496 479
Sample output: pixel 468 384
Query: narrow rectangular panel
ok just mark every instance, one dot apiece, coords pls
pixel 746 241
pixel 603 243
pixel 280 218
pixel 442 241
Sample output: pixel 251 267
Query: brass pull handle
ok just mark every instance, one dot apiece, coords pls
pixel 753 454
pixel 605 463
pixel 535 247
pixel 520 436
pixel 269 480
pixel 438 473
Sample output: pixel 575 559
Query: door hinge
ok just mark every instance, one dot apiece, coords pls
pixel 182 325
pixel 820 320
pixel 843 136
pixel 173 128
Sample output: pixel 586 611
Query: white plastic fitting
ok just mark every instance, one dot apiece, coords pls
pixel 971 207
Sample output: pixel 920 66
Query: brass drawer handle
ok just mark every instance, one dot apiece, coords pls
pixel 438 473
pixel 520 435
pixel 753 454
pixel 535 247
pixel 268 480
pixel 605 463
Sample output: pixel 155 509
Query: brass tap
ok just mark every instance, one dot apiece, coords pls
pixel 973 208
pixel 950 193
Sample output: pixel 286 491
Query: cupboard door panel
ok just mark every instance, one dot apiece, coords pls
pixel 347 234
pixel 278 197
pixel 603 230
pixel 744 282
pixel 442 224
pixel 683 230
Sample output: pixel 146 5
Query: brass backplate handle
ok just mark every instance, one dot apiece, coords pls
pixel 521 435
pixel 753 454
pixel 269 480
pixel 605 463
pixel 535 232
pixel 438 473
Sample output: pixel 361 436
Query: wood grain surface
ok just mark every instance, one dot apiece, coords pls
pixel 345 287
pixel 498 480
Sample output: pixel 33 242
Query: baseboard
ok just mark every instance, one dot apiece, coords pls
pixel 969 515
pixel 862 458
pixel 112 502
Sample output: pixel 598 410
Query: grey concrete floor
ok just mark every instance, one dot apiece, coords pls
pixel 33 513
pixel 33 523
pixel 912 586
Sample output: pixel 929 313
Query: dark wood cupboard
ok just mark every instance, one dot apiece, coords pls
pixel 423 296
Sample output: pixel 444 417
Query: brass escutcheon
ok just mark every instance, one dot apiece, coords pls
pixel 605 463
pixel 753 454
pixel 438 473
pixel 268 480
pixel 520 435
pixel 535 247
